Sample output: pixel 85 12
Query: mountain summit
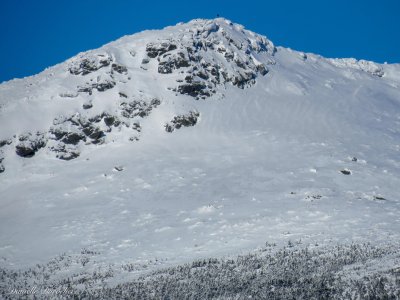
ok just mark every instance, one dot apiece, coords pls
pixel 199 139
pixel 82 101
pixel 96 92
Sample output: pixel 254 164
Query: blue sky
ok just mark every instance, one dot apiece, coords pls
pixel 36 34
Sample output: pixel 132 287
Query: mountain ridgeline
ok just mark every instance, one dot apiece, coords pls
pixel 198 59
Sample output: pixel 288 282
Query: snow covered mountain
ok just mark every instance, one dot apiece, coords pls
pixel 201 139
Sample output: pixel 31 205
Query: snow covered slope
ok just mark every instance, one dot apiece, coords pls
pixel 199 139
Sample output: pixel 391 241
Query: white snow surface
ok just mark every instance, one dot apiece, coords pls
pixel 263 163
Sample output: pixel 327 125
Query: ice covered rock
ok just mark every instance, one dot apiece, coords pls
pixel 209 55
pixel 175 61
pixel 139 108
pixel 65 152
pixel 186 120
pixel 362 65
pixel 156 49
pixel 100 86
pixel 119 68
pixel 89 62
pixel 29 143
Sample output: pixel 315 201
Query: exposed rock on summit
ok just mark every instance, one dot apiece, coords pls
pixel 88 63
pixel 208 55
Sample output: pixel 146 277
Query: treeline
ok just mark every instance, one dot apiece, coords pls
pixel 291 272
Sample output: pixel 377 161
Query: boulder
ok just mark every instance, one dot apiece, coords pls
pixel 103 86
pixel 89 63
pixel 94 133
pixel 5 142
pixel 187 120
pixel 194 89
pixel 87 105
pixel 29 144
pixel 73 138
pixel 109 120
pixel 119 69
pixel 99 86
pixel 345 172
pixel 65 153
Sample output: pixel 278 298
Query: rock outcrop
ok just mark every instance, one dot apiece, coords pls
pixel 186 120
pixel 207 56
pixel 29 143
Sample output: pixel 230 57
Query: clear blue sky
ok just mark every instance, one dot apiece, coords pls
pixel 36 34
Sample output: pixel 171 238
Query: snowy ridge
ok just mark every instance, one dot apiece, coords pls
pixel 201 139
pixel 363 65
